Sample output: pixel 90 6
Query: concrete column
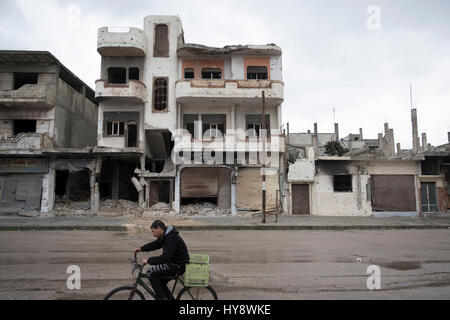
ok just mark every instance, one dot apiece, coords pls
pixel 448 137
pixel 361 133
pixel 171 194
pixel 177 191
pixel 392 141
pixel 336 131
pixel 179 116
pixel 424 142
pixel 398 148
pixel 233 194
pixel 233 117
pixel 48 191
pixel 315 140
pixel 415 134
pixel 115 181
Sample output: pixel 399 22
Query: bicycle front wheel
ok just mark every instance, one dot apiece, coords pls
pixel 124 293
pixel 197 293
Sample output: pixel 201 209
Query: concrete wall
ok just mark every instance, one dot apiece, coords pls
pixel 238 68
pixel 75 118
pixel 117 106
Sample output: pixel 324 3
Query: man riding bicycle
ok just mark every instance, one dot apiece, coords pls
pixel 172 262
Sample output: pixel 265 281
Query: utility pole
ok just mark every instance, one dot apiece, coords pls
pixel 263 158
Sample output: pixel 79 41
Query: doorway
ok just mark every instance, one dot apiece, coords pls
pixel 428 197
pixel 300 199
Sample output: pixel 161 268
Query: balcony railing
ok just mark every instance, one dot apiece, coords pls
pixel 25 143
pixel 134 90
pixel 230 91
pixel 122 43
pixel 30 95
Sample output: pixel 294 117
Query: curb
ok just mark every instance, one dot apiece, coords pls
pixel 63 228
pixel 236 227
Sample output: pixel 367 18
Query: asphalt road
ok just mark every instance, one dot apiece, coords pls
pixel 414 264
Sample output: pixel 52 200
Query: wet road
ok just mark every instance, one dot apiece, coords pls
pixel 414 264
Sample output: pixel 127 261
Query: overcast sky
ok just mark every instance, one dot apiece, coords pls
pixel 331 58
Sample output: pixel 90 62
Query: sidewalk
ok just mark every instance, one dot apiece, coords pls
pixel 134 224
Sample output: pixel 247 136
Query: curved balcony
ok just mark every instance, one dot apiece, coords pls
pixel 133 91
pixel 123 43
pixel 229 91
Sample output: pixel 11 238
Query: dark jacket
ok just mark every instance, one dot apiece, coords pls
pixel 173 246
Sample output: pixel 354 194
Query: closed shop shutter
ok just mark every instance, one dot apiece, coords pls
pixel 393 193
pixel 21 191
pixel 249 186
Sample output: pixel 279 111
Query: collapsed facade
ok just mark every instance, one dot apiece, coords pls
pixel 47 118
pixel 371 177
pixel 183 121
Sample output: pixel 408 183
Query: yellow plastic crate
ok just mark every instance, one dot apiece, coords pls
pixel 197 271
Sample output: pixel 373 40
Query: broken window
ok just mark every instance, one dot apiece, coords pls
pixel 257 73
pixel 132 134
pixel 254 125
pixel 189 121
pixel 24 126
pixel 117 75
pixel 213 125
pixel 133 74
pixel 160 94
pixel 189 73
pixel 115 128
pixel 342 183
pixel 430 166
pixel 211 73
pixel 161 47
pixel 22 78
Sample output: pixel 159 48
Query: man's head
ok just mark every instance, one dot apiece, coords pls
pixel 158 228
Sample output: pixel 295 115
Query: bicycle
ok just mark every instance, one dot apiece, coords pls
pixel 133 293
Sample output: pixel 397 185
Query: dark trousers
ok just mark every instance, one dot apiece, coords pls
pixel 159 275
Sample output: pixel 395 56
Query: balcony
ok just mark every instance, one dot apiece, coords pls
pixel 37 96
pixel 126 43
pixel 133 91
pixel 229 143
pixel 229 91
pixel 25 143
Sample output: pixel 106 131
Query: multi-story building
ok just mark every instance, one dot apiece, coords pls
pixel 47 116
pixel 164 102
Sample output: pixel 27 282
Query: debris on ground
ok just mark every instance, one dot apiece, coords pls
pixel 120 207
pixel 160 206
pixel 203 209
pixel 63 208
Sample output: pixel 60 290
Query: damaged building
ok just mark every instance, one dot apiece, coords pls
pixel 48 117
pixel 373 177
pixel 162 100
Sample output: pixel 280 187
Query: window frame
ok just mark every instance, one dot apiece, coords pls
pixel 154 40
pixel 166 109
pixel 343 189
pixel 113 127
pixel 267 72
pixel 221 73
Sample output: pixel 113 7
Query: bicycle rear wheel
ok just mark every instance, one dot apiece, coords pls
pixel 124 293
pixel 197 293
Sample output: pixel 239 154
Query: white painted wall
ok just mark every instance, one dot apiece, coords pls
pixel 161 67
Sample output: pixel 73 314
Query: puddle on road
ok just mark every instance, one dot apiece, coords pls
pixel 402 265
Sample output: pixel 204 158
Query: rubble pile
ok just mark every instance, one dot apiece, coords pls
pixel 160 206
pixel 124 207
pixel 72 208
pixel 203 209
